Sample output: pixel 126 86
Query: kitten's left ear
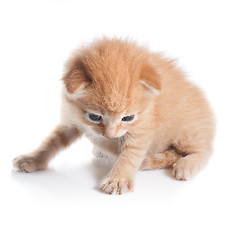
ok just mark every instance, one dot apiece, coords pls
pixel 151 80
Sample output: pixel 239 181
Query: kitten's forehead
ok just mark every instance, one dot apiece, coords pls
pixel 103 104
pixel 108 103
pixel 114 105
pixel 113 90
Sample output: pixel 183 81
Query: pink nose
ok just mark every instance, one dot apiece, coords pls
pixel 109 133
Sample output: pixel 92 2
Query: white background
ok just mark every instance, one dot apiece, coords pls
pixel 63 202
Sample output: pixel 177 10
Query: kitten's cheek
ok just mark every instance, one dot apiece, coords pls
pixel 121 133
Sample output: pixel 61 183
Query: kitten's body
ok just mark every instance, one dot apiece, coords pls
pixel 172 122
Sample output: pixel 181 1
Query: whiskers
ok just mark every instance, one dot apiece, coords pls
pixel 126 139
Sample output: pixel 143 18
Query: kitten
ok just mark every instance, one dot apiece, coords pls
pixel 136 107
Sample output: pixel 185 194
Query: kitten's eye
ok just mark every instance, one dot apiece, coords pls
pixel 95 117
pixel 128 118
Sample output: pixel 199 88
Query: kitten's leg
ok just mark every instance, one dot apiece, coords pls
pixel 121 178
pixel 60 138
pixel 160 160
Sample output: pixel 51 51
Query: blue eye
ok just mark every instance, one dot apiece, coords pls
pixel 95 117
pixel 128 118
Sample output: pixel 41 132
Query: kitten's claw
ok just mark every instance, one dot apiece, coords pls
pixel 27 163
pixel 116 186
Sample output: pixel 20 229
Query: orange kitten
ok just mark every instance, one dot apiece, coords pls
pixel 136 107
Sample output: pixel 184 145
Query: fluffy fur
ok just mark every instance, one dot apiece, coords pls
pixel 172 125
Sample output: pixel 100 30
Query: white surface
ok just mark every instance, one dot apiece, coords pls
pixel 62 202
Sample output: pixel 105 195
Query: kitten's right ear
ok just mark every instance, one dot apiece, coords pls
pixel 75 81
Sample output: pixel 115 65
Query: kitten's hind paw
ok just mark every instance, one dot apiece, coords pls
pixel 182 170
pixel 28 163
pixel 116 186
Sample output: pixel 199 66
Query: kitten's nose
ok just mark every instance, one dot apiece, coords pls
pixel 109 133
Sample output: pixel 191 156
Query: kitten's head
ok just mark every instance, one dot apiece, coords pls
pixel 112 82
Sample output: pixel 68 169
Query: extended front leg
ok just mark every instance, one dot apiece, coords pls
pixel 60 138
pixel 121 178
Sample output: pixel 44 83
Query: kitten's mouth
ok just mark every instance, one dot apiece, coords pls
pixel 117 136
pixel 113 135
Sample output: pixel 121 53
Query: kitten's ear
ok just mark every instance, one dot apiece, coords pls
pixel 75 81
pixel 151 80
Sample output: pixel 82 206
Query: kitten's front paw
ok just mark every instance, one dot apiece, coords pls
pixel 27 163
pixel 116 185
